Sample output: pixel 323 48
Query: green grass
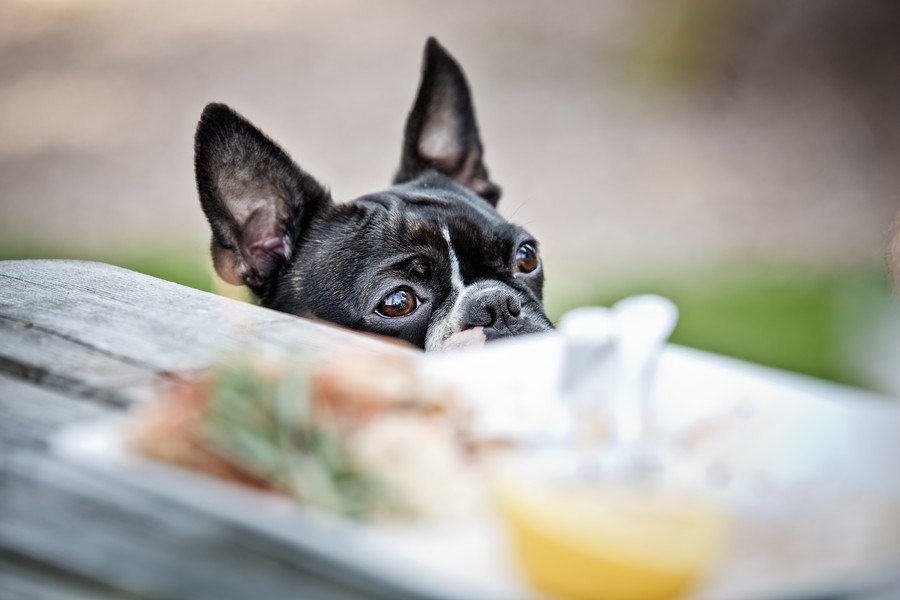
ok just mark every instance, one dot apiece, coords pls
pixel 187 266
pixel 792 318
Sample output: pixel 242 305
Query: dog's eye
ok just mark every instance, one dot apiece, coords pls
pixel 399 303
pixel 527 258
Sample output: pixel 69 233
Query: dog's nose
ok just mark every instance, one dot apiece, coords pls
pixel 495 309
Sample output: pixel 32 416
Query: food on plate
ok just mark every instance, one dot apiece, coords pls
pixel 589 542
pixel 740 498
pixel 360 436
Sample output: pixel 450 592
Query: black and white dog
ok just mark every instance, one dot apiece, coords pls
pixel 429 260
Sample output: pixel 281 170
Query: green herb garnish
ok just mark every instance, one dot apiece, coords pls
pixel 265 424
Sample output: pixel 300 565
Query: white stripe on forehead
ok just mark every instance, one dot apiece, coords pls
pixel 456 280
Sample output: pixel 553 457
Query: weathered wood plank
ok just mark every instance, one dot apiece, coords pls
pixel 142 322
pixel 26 580
pixel 29 414
pixel 43 357
pixel 85 525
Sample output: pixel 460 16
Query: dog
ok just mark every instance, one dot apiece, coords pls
pixel 428 260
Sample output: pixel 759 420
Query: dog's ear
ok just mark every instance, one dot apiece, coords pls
pixel 441 132
pixel 254 196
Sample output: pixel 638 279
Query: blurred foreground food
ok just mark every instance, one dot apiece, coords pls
pixel 366 437
pixel 329 435
pixel 759 488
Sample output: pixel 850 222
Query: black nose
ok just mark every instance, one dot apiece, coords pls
pixel 493 308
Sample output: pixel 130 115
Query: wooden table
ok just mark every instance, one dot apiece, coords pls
pixel 81 340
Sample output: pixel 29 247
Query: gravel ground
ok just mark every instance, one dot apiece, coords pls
pixel 780 143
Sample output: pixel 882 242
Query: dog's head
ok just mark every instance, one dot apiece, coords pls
pixel 429 260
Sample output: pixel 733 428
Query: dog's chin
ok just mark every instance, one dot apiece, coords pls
pixel 468 338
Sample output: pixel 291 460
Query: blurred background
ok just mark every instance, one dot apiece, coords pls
pixel 740 157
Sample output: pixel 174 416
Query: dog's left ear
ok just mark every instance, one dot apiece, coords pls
pixel 441 132
pixel 257 200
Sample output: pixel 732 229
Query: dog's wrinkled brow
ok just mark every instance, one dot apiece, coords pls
pixel 400 264
pixel 426 201
pixel 391 201
pixel 400 267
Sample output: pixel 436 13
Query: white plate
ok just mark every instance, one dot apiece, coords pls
pixel 814 431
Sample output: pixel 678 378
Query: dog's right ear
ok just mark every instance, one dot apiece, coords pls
pixel 255 197
pixel 441 131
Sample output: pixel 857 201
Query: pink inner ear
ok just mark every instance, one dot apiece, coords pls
pixel 270 245
pixel 439 140
pixel 265 241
